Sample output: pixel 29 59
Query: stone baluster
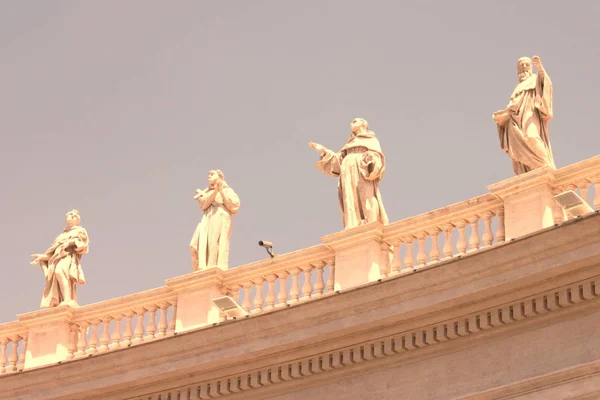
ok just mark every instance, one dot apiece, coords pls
pixel 306 285
pixel 82 339
pixel 421 253
pixel 569 186
pixel 270 298
pixel 22 353
pixel 385 264
pixel 247 303
pixel 115 337
pixel 138 333
pixel 93 343
pixel 448 247
pixel 72 343
pixel 105 338
pixel 3 359
pixel 319 282
pixel 461 244
pixel 500 232
pixel 282 295
pixel 434 251
pixel 162 321
pixel 235 292
pixel 151 327
pixel 331 277
pixel 173 320
pixel 408 251
pixel 128 329
pixel 258 296
pixel 474 240
pixel 584 191
pixel 295 289
pixel 13 356
pixel 395 263
pixel 488 236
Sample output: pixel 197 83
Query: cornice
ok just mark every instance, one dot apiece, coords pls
pixel 523 182
pixel 442 216
pixel 554 379
pixel 279 263
pixel 248 384
pixel 354 236
pixel 460 289
pixel 196 280
pixel 57 314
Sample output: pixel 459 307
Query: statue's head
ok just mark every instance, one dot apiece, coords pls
pixel 524 68
pixel 214 176
pixel 359 125
pixel 73 218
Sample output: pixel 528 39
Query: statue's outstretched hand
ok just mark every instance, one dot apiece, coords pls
pixel 317 147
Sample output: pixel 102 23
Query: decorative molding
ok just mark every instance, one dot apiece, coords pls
pixel 277 264
pixel 440 218
pixel 352 237
pixel 523 182
pixel 402 342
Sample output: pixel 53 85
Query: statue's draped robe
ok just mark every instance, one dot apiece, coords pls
pixel 210 243
pixel 360 166
pixel 62 266
pixel 524 136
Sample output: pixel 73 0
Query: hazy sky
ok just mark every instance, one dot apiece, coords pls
pixel 120 108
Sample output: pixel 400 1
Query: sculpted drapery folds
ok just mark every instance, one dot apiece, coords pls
pixel 210 243
pixel 360 166
pixel 61 263
pixel 523 124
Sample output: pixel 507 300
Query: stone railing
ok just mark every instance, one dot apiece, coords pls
pixel 282 281
pixel 13 344
pixel 445 233
pixel 515 207
pixel 582 177
pixel 122 322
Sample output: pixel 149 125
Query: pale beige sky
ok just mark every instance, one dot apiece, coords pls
pixel 119 109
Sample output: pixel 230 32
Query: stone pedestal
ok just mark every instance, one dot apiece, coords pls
pixel 529 203
pixel 49 335
pixel 195 292
pixel 359 257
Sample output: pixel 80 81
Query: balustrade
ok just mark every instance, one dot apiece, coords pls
pixel 282 281
pixel 459 229
pixel 13 344
pixel 293 278
pixel 107 326
pixel 582 177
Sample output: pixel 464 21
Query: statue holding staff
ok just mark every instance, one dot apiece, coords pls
pixel 523 124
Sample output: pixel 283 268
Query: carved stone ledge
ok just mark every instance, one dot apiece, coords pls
pixel 400 343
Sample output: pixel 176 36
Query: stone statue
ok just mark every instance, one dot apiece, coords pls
pixel 61 263
pixel 523 124
pixel 210 243
pixel 360 165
